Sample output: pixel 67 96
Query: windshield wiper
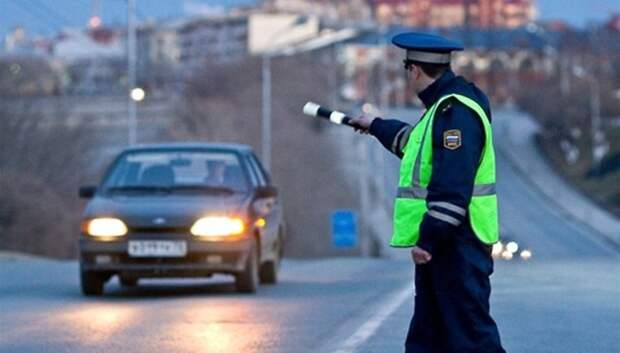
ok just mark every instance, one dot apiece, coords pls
pixel 204 188
pixel 139 188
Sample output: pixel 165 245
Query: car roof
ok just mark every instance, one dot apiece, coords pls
pixel 233 147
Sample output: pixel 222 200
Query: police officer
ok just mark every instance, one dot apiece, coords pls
pixel 446 207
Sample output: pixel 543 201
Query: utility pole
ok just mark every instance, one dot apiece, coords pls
pixel 386 87
pixel 131 72
pixel 564 75
pixel 266 90
pixel 266 118
pixel 599 144
pixel 467 21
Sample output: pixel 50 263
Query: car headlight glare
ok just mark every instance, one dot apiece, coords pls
pixel 512 246
pixel 106 227
pixel 526 254
pixel 218 226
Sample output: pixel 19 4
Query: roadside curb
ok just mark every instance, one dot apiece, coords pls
pixel 516 140
pixel 20 256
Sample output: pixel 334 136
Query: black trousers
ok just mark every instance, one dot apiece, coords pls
pixel 452 300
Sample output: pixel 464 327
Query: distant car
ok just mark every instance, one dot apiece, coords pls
pixel 182 210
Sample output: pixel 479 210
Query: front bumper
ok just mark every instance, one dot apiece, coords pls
pixel 203 257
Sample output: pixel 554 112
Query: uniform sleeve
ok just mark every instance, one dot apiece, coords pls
pixel 458 140
pixel 392 134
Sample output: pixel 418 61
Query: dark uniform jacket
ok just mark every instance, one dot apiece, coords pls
pixel 454 170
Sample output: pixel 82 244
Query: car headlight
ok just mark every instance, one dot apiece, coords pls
pixel 526 254
pixel 218 226
pixel 106 227
pixel 513 247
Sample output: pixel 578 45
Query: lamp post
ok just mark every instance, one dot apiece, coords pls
pixel 131 73
pixel 266 92
pixel 266 110
pixel 137 94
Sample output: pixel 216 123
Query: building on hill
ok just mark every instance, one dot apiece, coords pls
pixel 213 38
pixel 417 13
pixel 498 60
pixel 455 13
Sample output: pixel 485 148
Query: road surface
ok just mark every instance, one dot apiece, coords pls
pixel 566 299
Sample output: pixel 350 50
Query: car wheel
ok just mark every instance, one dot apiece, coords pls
pixel 128 281
pixel 247 281
pixel 92 283
pixel 269 270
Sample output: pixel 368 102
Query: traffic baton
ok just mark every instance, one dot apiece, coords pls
pixel 336 117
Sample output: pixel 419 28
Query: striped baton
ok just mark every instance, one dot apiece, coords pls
pixel 336 117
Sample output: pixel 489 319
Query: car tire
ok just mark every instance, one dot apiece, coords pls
pixel 92 283
pixel 247 281
pixel 128 281
pixel 269 270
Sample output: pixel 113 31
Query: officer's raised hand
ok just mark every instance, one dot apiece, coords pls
pixel 363 122
pixel 420 256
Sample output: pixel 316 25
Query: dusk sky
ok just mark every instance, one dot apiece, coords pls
pixel 47 16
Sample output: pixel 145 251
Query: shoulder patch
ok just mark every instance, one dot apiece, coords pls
pixel 452 139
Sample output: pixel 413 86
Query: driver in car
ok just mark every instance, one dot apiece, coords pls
pixel 217 173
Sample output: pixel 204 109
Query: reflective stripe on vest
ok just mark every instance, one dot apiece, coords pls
pixel 415 174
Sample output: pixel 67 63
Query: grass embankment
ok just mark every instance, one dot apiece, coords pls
pixel 601 184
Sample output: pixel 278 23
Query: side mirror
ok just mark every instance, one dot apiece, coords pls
pixel 266 191
pixel 265 199
pixel 87 192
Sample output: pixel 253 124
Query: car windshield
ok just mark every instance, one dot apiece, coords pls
pixel 177 171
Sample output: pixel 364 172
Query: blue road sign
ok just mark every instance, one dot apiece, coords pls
pixel 344 229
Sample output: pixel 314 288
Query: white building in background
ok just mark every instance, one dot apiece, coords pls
pixel 217 39
pixel 95 60
pixel 333 11
pixel 158 54
pixel 269 31
pixel 158 43
pixel 78 44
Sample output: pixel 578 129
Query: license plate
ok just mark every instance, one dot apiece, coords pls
pixel 157 248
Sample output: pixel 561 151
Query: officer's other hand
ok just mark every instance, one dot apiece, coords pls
pixel 420 256
pixel 363 123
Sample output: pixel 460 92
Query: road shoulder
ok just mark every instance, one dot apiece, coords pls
pixel 514 138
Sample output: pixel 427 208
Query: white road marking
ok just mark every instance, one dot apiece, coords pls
pixel 364 332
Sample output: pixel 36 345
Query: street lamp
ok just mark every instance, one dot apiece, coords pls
pixel 137 94
pixel 266 118
pixel 266 91
pixel 131 73
pixel 599 147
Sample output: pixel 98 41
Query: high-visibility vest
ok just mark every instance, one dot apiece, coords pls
pixel 415 174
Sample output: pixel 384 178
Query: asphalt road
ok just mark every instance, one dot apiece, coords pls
pixel 43 310
pixel 566 299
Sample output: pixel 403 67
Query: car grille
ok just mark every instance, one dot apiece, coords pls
pixel 158 230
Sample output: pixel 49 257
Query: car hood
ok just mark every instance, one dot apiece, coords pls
pixel 167 211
